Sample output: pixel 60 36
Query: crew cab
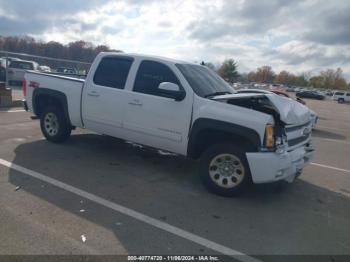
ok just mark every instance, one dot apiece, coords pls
pixel 182 108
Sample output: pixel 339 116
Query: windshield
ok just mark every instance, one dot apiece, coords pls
pixel 204 81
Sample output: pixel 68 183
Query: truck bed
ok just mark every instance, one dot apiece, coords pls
pixel 69 86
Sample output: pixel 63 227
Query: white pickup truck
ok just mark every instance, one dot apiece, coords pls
pixel 179 107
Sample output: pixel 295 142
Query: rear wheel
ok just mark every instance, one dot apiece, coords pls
pixel 224 170
pixel 341 100
pixel 54 125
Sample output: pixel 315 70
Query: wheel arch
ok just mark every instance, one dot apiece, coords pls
pixel 44 97
pixel 206 132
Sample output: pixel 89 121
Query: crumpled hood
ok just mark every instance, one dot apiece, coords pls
pixel 291 112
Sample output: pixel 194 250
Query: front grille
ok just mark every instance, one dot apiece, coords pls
pixel 293 128
pixel 298 140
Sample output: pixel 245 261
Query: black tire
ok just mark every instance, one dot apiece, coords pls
pixel 63 130
pixel 209 178
pixel 341 100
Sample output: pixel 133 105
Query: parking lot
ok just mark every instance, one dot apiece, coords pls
pixel 98 195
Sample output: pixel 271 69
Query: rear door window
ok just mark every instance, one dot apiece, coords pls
pixel 339 93
pixel 113 72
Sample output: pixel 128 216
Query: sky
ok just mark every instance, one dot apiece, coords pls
pixel 298 36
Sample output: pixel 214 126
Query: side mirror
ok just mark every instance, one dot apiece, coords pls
pixel 171 90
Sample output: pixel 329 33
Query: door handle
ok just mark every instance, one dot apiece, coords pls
pixel 93 93
pixel 135 102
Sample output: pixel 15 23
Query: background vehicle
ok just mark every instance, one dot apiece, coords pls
pixel 43 68
pixel 8 59
pixel 16 70
pixel 310 94
pixel 337 94
pixel 3 66
pixel 341 97
pixel 290 89
pixel 329 93
pixel 179 107
pixel 67 71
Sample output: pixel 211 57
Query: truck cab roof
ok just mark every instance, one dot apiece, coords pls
pixel 146 57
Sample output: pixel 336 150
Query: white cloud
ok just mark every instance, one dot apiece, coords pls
pixel 293 35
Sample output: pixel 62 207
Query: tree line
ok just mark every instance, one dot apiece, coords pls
pixel 327 79
pixel 79 50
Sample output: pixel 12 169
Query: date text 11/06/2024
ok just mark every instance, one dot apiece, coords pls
pixel 173 258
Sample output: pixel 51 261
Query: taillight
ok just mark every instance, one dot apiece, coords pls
pixel 269 137
pixel 24 87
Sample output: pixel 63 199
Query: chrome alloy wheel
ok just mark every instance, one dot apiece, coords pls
pixel 226 170
pixel 51 124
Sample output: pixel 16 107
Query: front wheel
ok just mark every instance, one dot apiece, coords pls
pixel 54 125
pixel 341 100
pixel 224 170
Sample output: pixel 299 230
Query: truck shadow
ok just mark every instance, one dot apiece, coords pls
pixel 167 188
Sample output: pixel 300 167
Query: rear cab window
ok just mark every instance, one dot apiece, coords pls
pixel 150 74
pixel 21 65
pixel 339 93
pixel 113 72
